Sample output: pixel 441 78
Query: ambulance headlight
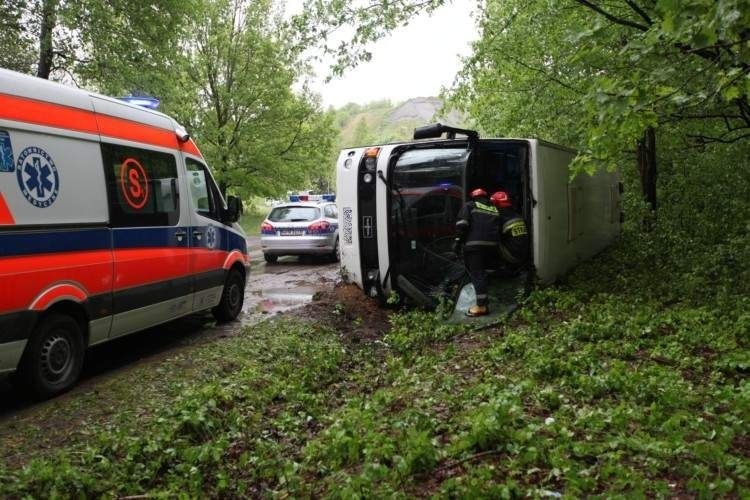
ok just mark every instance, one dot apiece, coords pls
pixel 348 163
pixel 367 178
pixel 370 164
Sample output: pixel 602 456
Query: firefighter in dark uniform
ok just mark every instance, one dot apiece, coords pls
pixel 478 232
pixel 514 237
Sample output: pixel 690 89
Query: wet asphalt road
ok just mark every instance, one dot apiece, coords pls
pixel 271 288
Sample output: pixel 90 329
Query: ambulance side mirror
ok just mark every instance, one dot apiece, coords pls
pixel 234 209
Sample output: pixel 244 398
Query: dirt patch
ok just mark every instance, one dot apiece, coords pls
pixel 358 317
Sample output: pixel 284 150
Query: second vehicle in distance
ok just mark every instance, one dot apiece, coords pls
pixel 301 228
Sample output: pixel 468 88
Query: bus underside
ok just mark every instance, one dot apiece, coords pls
pixel 427 185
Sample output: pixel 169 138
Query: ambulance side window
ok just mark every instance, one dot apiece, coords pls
pixel 142 187
pixel 203 191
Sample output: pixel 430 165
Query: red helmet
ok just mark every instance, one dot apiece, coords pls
pixel 478 193
pixel 500 199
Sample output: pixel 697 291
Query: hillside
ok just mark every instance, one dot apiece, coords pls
pixel 382 121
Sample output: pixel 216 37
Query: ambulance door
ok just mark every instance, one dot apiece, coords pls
pixel 150 239
pixel 209 237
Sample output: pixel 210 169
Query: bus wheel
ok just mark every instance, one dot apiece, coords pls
pixel 231 298
pixel 53 358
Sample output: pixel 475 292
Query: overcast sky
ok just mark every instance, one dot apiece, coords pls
pixel 414 61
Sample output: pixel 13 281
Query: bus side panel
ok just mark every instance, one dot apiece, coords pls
pixel 549 184
pixel 594 208
pixel 347 167
pixel 573 220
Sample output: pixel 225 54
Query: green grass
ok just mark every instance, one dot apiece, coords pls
pixel 251 220
pixel 608 385
pixel 630 379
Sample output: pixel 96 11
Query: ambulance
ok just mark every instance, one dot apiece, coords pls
pixel 398 205
pixel 110 223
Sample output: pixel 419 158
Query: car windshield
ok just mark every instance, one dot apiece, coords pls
pixel 294 214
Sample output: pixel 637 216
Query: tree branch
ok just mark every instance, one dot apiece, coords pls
pixel 611 17
pixel 639 11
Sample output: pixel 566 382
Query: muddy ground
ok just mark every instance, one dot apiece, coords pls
pixel 271 289
pixel 310 288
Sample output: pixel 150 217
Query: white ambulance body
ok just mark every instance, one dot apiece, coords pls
pixel 110 222
pixel 398 205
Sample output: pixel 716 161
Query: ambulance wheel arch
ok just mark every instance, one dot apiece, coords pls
pixel 53 357
pixel 232 296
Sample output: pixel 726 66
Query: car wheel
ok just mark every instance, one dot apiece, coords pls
pixel 53 358
pixel 271 259
pixel 336 254
pixel 232 298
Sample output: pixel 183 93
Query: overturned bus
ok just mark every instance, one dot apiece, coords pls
pixel 398 205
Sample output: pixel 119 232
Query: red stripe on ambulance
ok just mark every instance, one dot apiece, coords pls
pixel 6 218
pixel 25 278
pixel 21 109
pixel 25 110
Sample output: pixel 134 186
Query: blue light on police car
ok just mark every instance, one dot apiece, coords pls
pixel 142 100
pixel 445 185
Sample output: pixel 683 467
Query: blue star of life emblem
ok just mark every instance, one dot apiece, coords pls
pixel 37 177
pixel 211 237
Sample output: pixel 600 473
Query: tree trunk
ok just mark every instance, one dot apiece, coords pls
pixel 49 19
pixel 646 158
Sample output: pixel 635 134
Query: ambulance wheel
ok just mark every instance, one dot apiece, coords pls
pixel 53 358
pixel 271 259
pixel 231 298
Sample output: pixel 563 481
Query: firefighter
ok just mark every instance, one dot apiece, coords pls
pixel 514 237
pixel 478 232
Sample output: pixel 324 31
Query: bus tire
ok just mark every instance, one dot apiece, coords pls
pixel 232 298
pixel 53 358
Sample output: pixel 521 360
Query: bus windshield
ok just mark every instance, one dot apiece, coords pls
pixel 426 196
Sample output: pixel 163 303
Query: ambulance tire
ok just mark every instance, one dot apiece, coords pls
pixel 232 298
pixel 53 358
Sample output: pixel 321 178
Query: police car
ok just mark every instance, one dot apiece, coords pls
pixel 304 226
pixel 110 223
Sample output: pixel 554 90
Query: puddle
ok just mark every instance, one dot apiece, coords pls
pixel 285 286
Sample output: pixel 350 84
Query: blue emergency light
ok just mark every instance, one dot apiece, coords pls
pixel 142 100
pixel 293 197
pixel 329 197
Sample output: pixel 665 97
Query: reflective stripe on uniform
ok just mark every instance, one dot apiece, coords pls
pixel 488 209
pixel 512 223
pixel 481 243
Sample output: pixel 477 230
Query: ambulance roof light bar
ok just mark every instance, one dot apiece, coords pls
pixel 143 101
pixel 436 130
